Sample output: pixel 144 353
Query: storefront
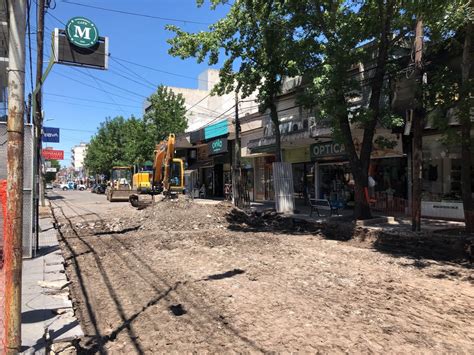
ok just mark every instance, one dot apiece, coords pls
pixel 441 197
pixel 263 171
pixel 303 173
pixel 333 179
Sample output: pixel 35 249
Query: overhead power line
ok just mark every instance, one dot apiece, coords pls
pixel 158 70
pixel 136 14
pixel 90 100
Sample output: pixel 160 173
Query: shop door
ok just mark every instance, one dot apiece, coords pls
pixel 219 180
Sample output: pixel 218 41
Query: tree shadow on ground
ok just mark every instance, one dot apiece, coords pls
pixel 449 249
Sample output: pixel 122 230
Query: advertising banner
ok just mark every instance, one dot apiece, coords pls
pixel 50 134
pixel 51 154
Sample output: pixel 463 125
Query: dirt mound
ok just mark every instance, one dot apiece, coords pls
pixel 268 220
pixel 174 215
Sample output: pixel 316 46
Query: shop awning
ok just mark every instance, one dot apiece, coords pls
pixel 201 164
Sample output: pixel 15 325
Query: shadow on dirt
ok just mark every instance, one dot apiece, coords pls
pixel 55 197
pixel 122 231
pixel 225 275
pixel 397 242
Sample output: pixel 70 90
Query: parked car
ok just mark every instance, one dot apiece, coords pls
pixel 81 187
pixel 49 186
pixel 100 188
pixel 65 186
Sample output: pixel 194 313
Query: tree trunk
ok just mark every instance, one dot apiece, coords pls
pixel 466 126
pixel 360 163
pixel 276 127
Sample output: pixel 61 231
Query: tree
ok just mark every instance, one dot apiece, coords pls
pixel 467 95
pixel 340 35
pixel 254 37
pixel 107 147
pixel 166 114
pixel 451 87
pixel 49 176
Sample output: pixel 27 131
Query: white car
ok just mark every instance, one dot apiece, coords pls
pixel 81 187
pixel 64 186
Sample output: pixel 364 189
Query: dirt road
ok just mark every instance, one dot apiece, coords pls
pixel 181 277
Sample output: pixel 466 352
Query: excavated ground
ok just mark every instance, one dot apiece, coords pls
pixel 182 277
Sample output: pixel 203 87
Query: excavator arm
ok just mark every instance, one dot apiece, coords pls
pixel 164 155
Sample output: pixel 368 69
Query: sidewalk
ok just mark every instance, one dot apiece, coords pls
pixel 47 313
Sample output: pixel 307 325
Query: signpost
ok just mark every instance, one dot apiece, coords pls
pixel 51 154
pixel 50 134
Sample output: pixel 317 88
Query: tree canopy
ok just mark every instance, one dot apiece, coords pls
pixel 256 38
pixel 121 141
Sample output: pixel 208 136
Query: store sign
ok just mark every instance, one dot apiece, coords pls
pixel 51 134
pixel 220 128
pixel 51 154
pixel 51 170
pixel 82 32
pixel 217 146
pixel 329 149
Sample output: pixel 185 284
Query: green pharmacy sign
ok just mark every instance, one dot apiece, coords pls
pixel 82 32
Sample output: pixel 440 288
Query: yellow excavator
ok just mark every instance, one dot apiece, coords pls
pixel 167 176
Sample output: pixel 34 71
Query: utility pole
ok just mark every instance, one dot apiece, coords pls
pixel 418 128
pixel 38 98
pixel 28 109
pixel 237 175
pixel 14 227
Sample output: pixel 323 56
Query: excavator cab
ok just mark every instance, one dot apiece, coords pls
pixel 176 178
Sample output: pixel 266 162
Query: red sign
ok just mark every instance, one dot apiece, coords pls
pixel 51 154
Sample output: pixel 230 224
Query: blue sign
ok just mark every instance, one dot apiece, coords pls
pixel 215 130
pixel 50 134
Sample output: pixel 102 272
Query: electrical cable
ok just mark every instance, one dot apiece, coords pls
pixel 159 70
pixel 90 100
pixel 135 13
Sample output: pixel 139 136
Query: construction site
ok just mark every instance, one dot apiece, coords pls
pixel 182 276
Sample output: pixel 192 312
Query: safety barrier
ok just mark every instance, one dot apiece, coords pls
pixel 389 204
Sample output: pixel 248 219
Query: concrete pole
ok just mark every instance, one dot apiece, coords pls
pixel 15 127
pixel 38 97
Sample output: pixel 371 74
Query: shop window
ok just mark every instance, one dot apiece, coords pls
pixel 305 124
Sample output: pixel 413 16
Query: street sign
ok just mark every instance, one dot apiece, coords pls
pixel 82 32
pixel 69 53
pixel 51 170
pixel 51 154
pixel 51 134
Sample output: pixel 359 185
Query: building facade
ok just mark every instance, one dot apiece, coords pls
pixel 78 155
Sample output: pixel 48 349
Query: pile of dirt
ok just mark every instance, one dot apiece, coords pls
pixel 269 221
pixel 175 215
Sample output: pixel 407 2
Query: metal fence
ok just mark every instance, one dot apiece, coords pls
pixel 389 204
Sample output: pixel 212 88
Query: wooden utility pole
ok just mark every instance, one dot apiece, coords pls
pixel 13 247
pixel 38 97
pixel 237 173
pixel 466 124
pixel 418 129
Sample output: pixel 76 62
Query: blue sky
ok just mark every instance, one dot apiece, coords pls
pixel 71 102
